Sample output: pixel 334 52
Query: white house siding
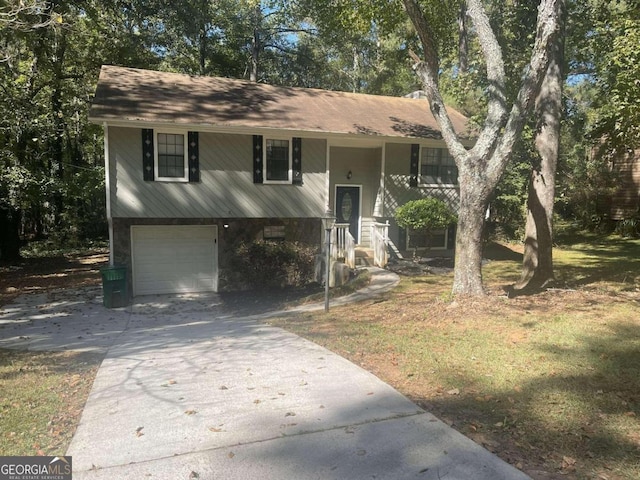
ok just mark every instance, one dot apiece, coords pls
pixel 226 188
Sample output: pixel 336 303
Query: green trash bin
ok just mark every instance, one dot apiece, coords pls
pixel 115 293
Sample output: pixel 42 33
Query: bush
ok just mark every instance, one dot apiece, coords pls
pixel 425 214
pixel 271 264
pixel 629 227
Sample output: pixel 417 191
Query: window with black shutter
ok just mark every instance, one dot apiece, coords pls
pixel 277 160
pixel 170 156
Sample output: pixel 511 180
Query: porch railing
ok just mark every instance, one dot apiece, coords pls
pixel 343 245
pixel 379 243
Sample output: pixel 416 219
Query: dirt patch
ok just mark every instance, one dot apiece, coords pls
pixel 50 273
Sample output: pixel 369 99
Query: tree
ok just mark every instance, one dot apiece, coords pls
pixel 616 37
pixel 537 265
pixel 481 167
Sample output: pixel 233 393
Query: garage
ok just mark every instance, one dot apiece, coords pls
pixel 174 259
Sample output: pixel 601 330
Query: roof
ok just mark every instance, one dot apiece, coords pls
pixel 147 96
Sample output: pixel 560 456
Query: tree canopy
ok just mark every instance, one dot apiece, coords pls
pixel 51 178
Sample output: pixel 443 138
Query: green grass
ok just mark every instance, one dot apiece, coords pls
pixel 549 382
pixel 41 398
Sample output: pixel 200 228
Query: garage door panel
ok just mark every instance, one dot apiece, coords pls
pixel 174 259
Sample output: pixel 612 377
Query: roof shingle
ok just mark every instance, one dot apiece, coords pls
pixel 146 96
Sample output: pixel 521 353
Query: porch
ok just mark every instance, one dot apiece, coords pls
pixel 345 250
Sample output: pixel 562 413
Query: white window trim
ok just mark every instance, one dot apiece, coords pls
pixel 157 177
pixel 421 183
pixel 265 180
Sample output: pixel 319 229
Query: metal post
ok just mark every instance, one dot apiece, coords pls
pixel 328 269
pixel 328 222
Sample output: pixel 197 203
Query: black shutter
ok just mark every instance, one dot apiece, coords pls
pixel 415 160
pixel 297 160
pixel 257 159
pixel 147 154
pixel 194 154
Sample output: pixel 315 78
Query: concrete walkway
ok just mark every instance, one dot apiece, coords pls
pixel 185 393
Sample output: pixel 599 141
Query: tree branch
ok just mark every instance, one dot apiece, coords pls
pixel 549 14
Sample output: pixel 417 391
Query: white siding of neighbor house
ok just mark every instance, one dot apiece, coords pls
pixel 226 188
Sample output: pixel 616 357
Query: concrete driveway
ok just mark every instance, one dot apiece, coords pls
pixel 187 391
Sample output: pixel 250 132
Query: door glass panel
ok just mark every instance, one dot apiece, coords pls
pixel 347 206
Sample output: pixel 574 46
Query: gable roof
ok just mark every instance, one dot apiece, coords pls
pixel 145 96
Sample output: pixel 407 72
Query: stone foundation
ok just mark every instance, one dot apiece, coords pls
pixel 231 231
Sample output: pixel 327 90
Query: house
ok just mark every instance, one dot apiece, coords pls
pixel 196 164
pixel 625 200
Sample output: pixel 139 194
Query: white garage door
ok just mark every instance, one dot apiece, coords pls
pixel 174 259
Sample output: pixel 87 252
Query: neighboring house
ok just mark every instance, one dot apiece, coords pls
pixel 196 164
pixel 625 201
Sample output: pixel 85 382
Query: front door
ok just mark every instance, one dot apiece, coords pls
pixel 348 209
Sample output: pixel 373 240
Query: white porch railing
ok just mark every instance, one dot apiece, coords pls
pixel 343 245
pixel 379 242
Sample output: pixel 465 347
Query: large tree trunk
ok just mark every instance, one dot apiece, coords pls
pixel 467 278
pixel 537 266
pixel 256 43
pixel 482 166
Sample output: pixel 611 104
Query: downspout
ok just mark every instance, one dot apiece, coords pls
pixel 107 185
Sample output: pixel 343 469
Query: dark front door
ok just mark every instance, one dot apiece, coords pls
pixel 348 208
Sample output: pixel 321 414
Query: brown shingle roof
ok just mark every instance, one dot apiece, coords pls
pixel 148 96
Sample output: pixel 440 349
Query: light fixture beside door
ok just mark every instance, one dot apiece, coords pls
pixel 349 175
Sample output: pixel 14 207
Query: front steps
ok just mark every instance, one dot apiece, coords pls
pixel 364 257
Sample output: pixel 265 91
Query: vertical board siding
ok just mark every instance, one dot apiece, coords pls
pixel 397 177
pixel 226 187
pixel 364 164
pixel 625 200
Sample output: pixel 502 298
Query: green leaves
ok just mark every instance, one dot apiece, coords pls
pixel 425 214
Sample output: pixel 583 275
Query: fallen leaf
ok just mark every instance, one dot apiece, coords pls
pixel 194 475
pixel 139 432
pixel 231 455
pixel 191 412
pixel 454 391
pixel 568 464
pixel 290 414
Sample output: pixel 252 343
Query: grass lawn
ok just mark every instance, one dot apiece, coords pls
pixel 549 382
pixel 42 395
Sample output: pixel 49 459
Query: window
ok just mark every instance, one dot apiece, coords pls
pixel 277 161
pixel 171 158
pixel 436 240
pixel 437 167
pixel 273 232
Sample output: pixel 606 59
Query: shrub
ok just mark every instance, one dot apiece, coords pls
pixel 269 264
pixel 425 215
pixel 629 227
